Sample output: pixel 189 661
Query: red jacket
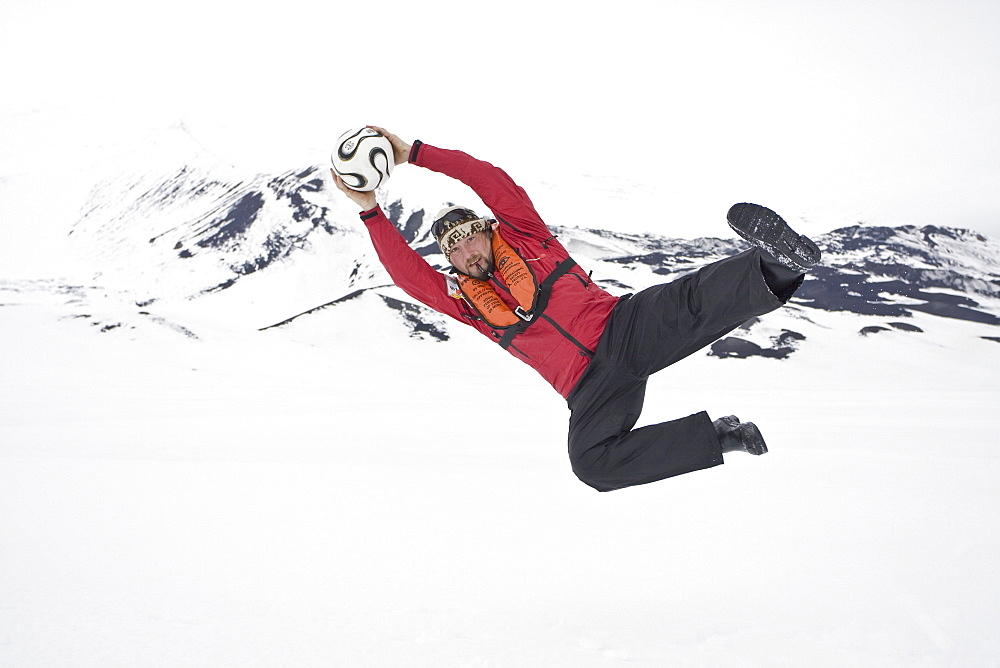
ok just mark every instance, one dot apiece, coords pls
pixel 559 342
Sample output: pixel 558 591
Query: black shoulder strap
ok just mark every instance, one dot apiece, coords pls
pixel 544 290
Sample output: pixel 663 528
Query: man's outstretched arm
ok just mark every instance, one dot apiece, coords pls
pixel 406 267
pixel 494 186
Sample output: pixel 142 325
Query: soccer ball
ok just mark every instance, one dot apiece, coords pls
pixel 363 159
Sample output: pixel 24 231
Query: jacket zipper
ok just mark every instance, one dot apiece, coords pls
pixel 584 350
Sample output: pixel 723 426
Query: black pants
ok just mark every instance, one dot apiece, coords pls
pixel 646 333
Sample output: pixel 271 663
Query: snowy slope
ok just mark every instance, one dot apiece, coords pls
pixel 182 483
pixel 309 495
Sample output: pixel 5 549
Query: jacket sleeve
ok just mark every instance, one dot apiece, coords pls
pixel 408 270
pixel 507 200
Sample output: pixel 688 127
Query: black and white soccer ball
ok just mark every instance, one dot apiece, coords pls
pixel 363 159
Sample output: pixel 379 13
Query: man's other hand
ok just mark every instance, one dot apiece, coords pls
pixel 366 200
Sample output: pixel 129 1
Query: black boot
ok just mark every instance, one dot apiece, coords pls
pixel 768 231
pixel 735 436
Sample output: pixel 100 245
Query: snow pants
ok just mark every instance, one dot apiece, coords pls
pixel 647 332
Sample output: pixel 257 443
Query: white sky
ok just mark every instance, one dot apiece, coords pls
pixel 878 109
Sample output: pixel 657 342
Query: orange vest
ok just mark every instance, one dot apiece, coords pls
pixel 516 275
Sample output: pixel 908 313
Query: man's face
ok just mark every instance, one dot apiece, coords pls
pixel 473 255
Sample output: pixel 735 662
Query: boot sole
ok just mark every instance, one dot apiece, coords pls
pixel 768 231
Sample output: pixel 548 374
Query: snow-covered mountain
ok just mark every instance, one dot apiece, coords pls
pixel 884 275
pixel 287 247
pixel 179 487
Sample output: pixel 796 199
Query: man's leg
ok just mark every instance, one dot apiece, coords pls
pixel 647 332
pixel 607 454
pixel 662 325
pixel 665 323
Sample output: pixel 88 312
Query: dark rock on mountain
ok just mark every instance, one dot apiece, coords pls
pixel 419 319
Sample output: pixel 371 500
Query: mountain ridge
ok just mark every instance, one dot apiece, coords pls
pixel 188 233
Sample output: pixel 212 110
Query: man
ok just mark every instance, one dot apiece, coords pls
pixel 514 282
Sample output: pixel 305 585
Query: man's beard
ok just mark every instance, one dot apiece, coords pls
pixel 482 268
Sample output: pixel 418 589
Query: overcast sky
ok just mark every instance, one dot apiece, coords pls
pixel 878 109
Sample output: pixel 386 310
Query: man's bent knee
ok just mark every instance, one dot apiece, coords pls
pixel 591 473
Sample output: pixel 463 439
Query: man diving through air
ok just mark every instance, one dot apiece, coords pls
pixel 515 283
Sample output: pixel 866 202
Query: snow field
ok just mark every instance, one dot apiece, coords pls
pixel 280 497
